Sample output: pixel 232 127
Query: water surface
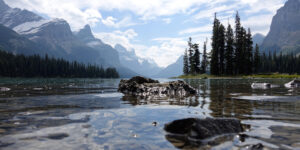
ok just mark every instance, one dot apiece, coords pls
pixel 90 114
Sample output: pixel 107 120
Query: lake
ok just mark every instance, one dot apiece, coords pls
pixel 88 114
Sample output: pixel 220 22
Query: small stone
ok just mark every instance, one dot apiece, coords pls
pixel 135 135
pixel 258 146
pixel 296 145
pixel 2 131
pixel 154 123
pixel 4 89
pixel 57 136
pixel 293 84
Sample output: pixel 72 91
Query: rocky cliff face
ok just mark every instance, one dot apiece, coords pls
pixel 284 33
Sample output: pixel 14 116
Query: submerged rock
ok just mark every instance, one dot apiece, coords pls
pixel 260 85
pixel 200 129
pixel 141 86
pixel 4 89
pixel 293 84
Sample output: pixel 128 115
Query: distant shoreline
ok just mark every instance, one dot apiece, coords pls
pixel 254 76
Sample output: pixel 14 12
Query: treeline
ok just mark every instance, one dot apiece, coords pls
pixel 36 66
pixel 192 62
pixel 279 63
pixel 233 54
pixel 232 50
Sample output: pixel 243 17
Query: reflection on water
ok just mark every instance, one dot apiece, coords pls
pixel 91 114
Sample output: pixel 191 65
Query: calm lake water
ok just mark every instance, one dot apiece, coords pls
pixel 62 114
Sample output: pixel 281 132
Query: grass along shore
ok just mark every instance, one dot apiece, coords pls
pixel 206 76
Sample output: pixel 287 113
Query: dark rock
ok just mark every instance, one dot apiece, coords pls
pixel 293 84
pixel 57 136
pixel 142 80
pixel 258 146
pixel 201 129
pixel 141 86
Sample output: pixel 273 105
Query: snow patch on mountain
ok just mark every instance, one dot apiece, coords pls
pixel 36 26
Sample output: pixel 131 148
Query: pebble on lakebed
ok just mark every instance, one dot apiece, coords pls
pixel 141 86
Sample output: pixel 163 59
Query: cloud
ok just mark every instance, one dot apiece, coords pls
pixel 167 20
pixel 118 37
pixel 112 22
pixel 206 28
pixel 75 11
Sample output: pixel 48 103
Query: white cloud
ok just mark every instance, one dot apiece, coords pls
pixel 262 26
pixel 75 11
pixel 206 28
pixel 112 22
pixel 167 20
pixel 118 37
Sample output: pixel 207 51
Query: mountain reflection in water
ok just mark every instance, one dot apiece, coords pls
pixel 91 114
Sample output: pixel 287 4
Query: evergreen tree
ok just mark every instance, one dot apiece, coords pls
pixel 214 65
pixel 221 47
pixel 256 59
pixel 238 44
pixel 229 59
pixel 186 63
pixel 204 58
pixel 192 67
pixel 196 58
pixel 248 53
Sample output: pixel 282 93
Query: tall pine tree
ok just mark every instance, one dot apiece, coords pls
pixel 214 65
pixel 229 59
pixel 186 63
pixel 256 59
pixel 248 53
pixel 221 47
pixel 196 58
pixel 192 68
pixel 204 58
pixel 238 45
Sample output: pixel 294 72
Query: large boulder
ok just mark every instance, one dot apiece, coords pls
pixel 293 84
pixel 141 86
pixel 200 129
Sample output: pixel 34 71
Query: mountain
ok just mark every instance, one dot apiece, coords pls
pixel 111 55
pixel 15 43
pixel 284 33
pixel 172 70
pixel 11 17
pixel 55 38
pixel 141 66
pixel 258 39
pixel 86 36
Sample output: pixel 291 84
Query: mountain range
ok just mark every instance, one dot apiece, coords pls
pixel 24 32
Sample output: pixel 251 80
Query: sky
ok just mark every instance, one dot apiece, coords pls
pixel 157 30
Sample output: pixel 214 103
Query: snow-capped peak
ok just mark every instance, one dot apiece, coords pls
pixel 35 26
